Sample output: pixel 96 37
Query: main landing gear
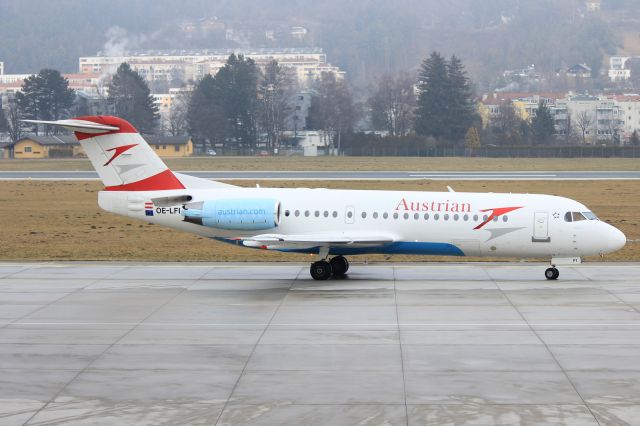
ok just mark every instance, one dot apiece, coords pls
pixel 323 270
pixel 552 273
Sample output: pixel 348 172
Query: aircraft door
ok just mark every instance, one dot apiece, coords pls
pixel 349 214
pixel 541 228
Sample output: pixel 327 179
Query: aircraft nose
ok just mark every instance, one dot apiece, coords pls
pixel 615 240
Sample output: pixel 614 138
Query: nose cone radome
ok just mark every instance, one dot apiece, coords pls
pixel 615 240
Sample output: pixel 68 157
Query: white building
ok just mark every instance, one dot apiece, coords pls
pixel 1 67
pixel 602 117
pixel 618 68
pixel 630 110
pixel 192 65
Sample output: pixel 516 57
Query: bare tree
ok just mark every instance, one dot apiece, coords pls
pixel 332 109
pixel 508 125
pixel 393 104
pixel 274 94
pixel 176 123
pixel 584 120
pixel 14 125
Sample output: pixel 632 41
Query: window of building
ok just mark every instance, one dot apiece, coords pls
pixel 177 148
pixel 27 149
pixel 164 147
pixel 157 146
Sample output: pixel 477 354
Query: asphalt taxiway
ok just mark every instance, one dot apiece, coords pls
pixel 396 344
pixel 349 175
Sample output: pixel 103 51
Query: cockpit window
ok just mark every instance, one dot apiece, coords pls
pixel 577 216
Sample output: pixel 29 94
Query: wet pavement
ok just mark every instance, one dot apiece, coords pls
pixel 263 344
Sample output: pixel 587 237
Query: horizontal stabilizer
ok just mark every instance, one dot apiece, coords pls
pixel 82 126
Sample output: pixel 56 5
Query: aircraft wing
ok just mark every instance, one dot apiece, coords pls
pixel 279 241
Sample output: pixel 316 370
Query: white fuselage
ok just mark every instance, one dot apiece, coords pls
pixel 433 223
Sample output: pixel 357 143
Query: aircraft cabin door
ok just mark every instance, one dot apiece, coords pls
pixel 541 228
pixel 349 214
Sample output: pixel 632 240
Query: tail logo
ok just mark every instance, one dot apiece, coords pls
pixel 118 151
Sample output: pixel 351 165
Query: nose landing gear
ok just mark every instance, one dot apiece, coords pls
pixel 552 273
pixel 323 270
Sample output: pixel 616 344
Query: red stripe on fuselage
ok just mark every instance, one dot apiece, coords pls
pixel 161 181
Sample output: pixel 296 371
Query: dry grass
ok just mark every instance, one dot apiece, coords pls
pixel 61 221
pixel 353 163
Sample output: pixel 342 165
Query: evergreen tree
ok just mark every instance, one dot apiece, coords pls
pixel 132 100
pixel 433 101
pixel 472 138
pixel 4 124
pixel 542 125
pixel 274 103
pixel 45 96
pixel 237 83
pixel 461 109
pixel 205 115
pixel 635 138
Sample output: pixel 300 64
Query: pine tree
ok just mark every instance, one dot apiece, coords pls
pixel 237 83
pixel 45 96
pixel 205 115
pixel 635 138
pixel 461 110
pixel 472 138
pixel 433 101
pixel 542 125
pixel 131 98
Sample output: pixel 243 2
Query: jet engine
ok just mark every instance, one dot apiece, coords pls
pixel 245 214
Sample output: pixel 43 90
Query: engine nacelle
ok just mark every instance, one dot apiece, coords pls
pixel 243 214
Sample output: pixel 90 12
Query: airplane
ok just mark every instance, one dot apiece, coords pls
pixel 334 224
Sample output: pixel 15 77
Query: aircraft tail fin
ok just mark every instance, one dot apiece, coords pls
pixel 123 159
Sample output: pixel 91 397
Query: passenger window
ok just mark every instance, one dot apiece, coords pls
pixel 364 215
pixel 567 217
pixel 326 213
pixel 456 217
pixel 505 218
pixel 335 214
pixel 466 217
pixel 395 215
pixel 306 213
pixel 297 213
pixel 426 216
pixel 287 213
pixel 349 215
pixel 375 215
pixel 416 216
pixel 317 213
pixel 475 217
pixel 436 216
pixel 385 215
pixel 446 217
pixel 406 216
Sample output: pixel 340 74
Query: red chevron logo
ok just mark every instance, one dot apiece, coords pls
pixel 499 211
pixel 118 151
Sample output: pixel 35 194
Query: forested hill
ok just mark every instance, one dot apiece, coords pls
pixel 365 37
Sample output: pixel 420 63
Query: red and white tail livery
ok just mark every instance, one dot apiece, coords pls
pixel 337 223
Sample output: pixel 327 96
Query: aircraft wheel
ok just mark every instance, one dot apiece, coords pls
pixel 321 270
pixel 552 274
pixel 339 265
